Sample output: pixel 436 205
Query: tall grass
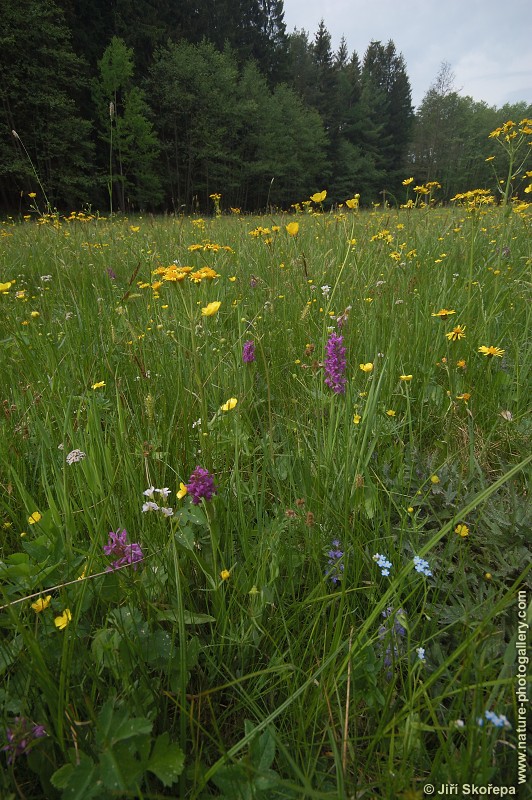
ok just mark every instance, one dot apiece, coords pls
pixel 229 663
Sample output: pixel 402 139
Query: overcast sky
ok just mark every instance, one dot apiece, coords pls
pixel 488 43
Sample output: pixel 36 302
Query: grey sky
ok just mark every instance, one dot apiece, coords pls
pixel 486 42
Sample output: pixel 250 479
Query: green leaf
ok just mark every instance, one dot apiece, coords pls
pixel 78 782
pixel 167 760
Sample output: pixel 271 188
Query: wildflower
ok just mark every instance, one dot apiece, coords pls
pixel 498 720
pixel 422 566
pixel 405 378
pixel 434 479
pixel 465 396
pixel 63 619
pixel 319 197
pixel 408 181
pixel 229 405
pixel 420 653
pixel 491 351
pixel 126 553
pixel 335 563
pixel 34 518
pixel 74 456
pixel 149 492
pixel 507 415
pixel 248 351
pixel 201 485
pixel 292 228
pixel 367 367
pixel 443 313
pixel 462 530
pixel 149 506
pixel 167 512
pixel 164 492
pixel 391 412
pixel 457 333
pixel 211 308
pixel 182 491
pixel 34 314
pixel 344 316
pixel 225 574
pixel 335 364
pixel 41 604
pixel 98 385
pixel 383 563
pixel 326 290
pixel 461 364
pixel 21 738
pixel 356 418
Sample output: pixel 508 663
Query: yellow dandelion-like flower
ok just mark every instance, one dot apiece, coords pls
pixel 462 530
pixel 41 604
pixel 367 367
pixel 225 574
pixel 443 313
pixel 34 518
pixel 457 333
pixel 408 181
pixel 405 378
pixel 434 479
pixel 98 385
pixel 134 228
pixel 211 308
pixel 391 412
pixel 229 405
pixel 356 418
pixel 491 351
pixel 63 619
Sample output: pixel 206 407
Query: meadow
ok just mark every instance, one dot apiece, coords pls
pixel 264 505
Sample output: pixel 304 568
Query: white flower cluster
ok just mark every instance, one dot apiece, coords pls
pixel 150 505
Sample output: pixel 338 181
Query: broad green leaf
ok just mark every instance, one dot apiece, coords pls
pixel 167 760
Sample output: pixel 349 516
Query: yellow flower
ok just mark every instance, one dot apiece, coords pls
pixel 319 197
pixel 41 604
pixel 98 385
pixel 211 308
pixel 491 351
pixel 465 396
pixel 4 287
pixel 434 479
pixel 443 313
pixel 32 194
pixel 367 367
pixel 229 405
pixel 410 510
pixel 408 181
pixel 405 377
pixel 462 530
pixel 63 619
pixel 353 202
pixel 391 412
pixel 182 491
pixel 134 228
pixel 356 418
pixel 225 574
pixel 35 517
pixel 292 228
pixel 457 333
pixel 461 363
pixel 34 314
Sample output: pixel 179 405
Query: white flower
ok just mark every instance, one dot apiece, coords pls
pixel 168 512
pixel 149 492
pixel 164 492
pixel 325 290
pixel 74 456
pixel 46 278
pixel 149 506
pixel 420 653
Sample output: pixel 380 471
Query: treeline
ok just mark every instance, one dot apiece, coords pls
pixel 156 105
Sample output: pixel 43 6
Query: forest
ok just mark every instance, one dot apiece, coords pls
pixel 155 106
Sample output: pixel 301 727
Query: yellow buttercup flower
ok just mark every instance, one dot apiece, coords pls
pixel 41 603
pixel 4 287
pixel 182 491
pixel 405 377
pixel 292 228
pixel 35 517
pixel 63 619
pixel 462 530
pixel 225 574
pixel 211 308
pixel 134 228
pixel 356 418
pixel 367 367
pixel 391 412
pixel 98 385
pixel 434 479
pixel 319 197
pixel 229 405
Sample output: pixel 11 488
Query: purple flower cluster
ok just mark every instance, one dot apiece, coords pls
pixel 335 364
pixel 126 553
pixel 248 352
pixel 335 564
pixel 21 738
pixel 391 634
pixel 201 485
